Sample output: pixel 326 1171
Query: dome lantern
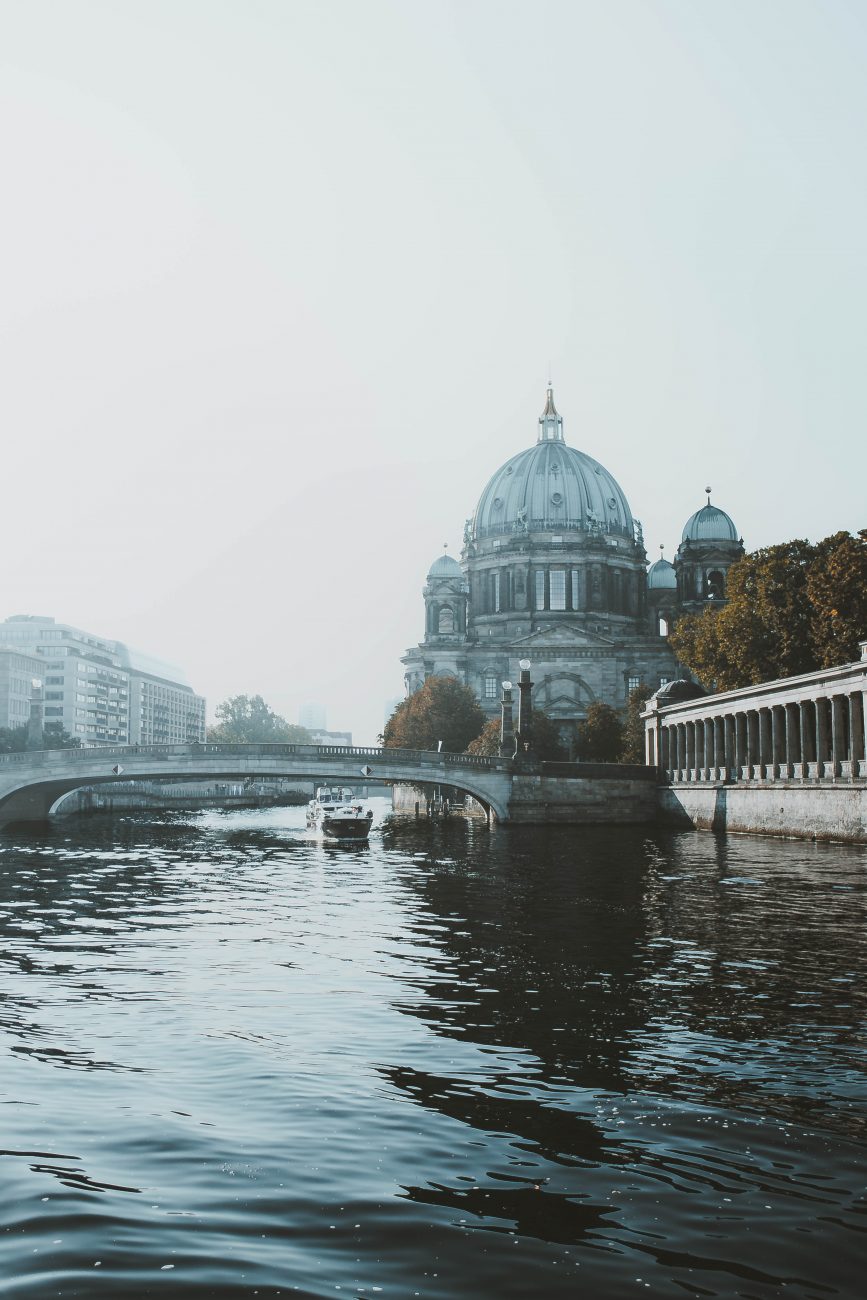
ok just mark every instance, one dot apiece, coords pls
pixel 550 421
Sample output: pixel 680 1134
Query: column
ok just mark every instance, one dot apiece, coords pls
pixel 690 749
pixel 862 763
pixel 822 750
pixel 778 735
pixel 754 760
pixel 740 744
pixel 804 733
pixel 719 745
pixel 729 744
pixel 839 740
pixel 793 742
pixel 709 748
pixel 766 753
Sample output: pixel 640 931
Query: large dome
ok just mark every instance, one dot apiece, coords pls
pixel 552 486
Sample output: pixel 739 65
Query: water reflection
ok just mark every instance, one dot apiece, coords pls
pixel 625 1059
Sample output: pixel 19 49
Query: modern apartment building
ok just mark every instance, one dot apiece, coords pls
pixel 18 669
pixel 102 692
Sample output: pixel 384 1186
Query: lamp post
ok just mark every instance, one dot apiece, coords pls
pixel 507 733
pixel 525 710
pixel 35 732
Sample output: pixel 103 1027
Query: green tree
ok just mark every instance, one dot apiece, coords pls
pixel 837 591
pixel 600 735
pixel 13 740
pixel 248 720
pixel 547 744
pixel 633 727
pixel 441 710
pixel 54 736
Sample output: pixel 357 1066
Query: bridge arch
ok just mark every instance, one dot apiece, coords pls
pixel 31 783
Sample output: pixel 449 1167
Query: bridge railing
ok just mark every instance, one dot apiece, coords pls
pixel 423 757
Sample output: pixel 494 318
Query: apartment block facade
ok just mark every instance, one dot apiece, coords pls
pixel 101 691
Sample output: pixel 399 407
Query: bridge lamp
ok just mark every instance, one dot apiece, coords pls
pixel 507 686
pixel 524 664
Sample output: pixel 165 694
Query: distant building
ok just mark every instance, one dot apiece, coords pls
pixel 321 737
pixel 18 669
pixel 554 571
pixel 313 717
pixel 100 691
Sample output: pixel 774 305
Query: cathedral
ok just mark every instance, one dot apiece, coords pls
pixel 554 571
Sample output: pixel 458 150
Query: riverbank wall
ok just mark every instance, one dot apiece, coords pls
pixel 819 812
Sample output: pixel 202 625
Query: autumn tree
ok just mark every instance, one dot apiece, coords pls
pixel 837 592
pixel 441 710
pixel 600 735
pixel 248 720
pixel 633 727
pixel 791 609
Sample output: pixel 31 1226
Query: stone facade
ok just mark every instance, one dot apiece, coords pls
pixel 554 570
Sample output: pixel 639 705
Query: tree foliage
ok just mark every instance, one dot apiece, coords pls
pixel 547 744
pixel 55 736
pixel 600 735
pixel 13 740
pixel 791 609
pixel 441 710
pixel 248 720
pixel 633 728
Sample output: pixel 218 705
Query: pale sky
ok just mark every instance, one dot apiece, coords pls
pixel 281 283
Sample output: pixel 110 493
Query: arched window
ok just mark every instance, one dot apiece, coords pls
pixel 446 622
pixel 663 625
pixel 716 584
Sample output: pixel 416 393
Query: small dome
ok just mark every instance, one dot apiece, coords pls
pixel 678 692
pixel 710 524
pixel 661 576
pixel 444 566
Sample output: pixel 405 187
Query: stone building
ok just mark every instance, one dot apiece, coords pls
pixel 554 570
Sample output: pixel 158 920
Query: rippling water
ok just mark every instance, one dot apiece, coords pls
pixel 451 1064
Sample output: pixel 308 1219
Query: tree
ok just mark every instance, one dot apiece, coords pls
pixel 55 736
pixel 547 744
pixel 441 710
pixel 13 740
pixel 837 591
pixel 633 727
pixel 791 609
pixel 600 735
pixel 248 720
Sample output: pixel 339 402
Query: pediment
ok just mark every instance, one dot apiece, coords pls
pixel 555 638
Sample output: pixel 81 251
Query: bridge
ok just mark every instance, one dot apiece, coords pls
pixel 32 783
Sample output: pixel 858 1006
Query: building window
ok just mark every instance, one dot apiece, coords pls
pixel 558 588
pixel 716 585
pixel 663 681
pixel 632 684
pixel 446 622
pixel 490 686
pixel 495 593
pixel 574 588
pixel 540 589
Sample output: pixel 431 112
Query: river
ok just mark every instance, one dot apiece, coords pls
pixel 454 1064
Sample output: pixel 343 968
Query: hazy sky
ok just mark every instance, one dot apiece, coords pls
pixel 280 284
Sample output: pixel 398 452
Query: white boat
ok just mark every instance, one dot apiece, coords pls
pixel 339 814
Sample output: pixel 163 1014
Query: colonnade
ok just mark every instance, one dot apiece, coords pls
pixel 812 728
